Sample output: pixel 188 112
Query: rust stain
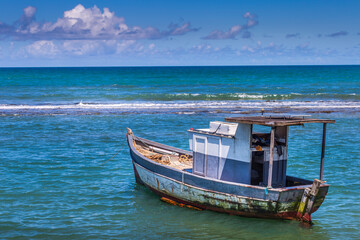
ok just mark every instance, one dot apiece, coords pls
pixel 157 181
pixel 195 208
pixel 172 202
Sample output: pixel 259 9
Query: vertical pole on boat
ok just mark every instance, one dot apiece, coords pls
pixel 323 152
pixel 271 160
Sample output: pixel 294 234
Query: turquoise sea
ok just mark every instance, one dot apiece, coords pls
pixel 59 128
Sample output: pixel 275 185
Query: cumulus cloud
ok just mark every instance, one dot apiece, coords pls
pixel 42 49
pixel 78 48
pixel 86 47
pixel 28 16
pixel 338 34
pixel 132 49
pixel 236 30
pixel 86 23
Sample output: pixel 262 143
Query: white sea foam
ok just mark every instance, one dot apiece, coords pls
pixel 239 96
pixel 188 105
pixel 248 96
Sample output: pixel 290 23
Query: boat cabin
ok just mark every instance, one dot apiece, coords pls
pixel 233 151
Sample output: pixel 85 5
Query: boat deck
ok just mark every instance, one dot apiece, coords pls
pixel 171 159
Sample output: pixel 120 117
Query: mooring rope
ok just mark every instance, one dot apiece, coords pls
pixel 112 156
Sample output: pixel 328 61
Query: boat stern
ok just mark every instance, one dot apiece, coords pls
pixel 301 201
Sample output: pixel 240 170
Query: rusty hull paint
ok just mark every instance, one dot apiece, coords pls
pixel 220 202
pixel 176 203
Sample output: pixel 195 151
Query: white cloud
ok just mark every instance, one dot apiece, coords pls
pixel 89 22
pixel 82 47
pixel 235 30
pixel 73 48
pixel 42 49
pixel 29 11
pixel 86 23
pixel 124 46
pixel 131 48
pixel 257 49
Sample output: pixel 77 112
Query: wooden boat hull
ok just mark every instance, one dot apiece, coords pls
pixel 216 195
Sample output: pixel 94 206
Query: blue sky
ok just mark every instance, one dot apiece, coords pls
pixel 173 33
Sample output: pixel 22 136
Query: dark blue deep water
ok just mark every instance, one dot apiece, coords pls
pixel 60 126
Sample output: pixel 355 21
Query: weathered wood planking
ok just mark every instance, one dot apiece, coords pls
pixel 277 121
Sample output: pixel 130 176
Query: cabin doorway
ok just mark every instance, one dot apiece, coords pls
pixel 260 147
pixel 257 168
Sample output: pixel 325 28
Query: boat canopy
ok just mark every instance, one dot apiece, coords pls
pixel 277 121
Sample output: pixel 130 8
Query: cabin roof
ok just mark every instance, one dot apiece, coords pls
pixel 277 121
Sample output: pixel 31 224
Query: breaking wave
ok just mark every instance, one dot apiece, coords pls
pixel 182 107
pixel 237 96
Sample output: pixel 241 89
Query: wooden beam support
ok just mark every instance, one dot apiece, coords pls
pixel 323 152
pixel 276 121
pixel 271 160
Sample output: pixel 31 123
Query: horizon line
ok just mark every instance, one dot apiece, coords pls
pixel 168 66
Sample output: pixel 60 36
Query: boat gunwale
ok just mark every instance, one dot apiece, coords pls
pixel 166 147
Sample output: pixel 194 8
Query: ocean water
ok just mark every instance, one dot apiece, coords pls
pixel 60 128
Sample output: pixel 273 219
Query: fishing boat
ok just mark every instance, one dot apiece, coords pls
pixel 232 168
